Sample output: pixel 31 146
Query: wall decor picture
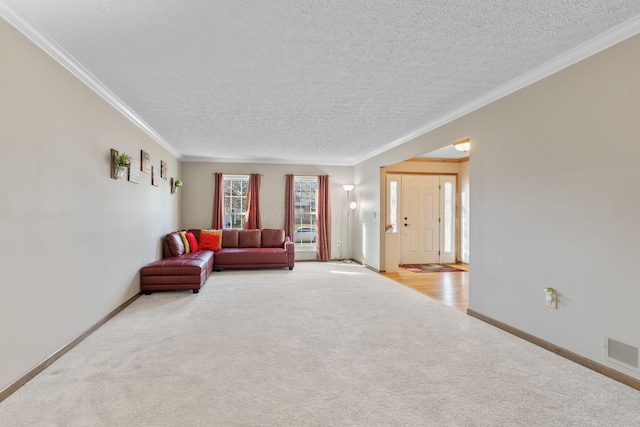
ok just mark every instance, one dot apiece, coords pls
pixel 114 170
pixel 134 171
pixel 164 168
pixel 154 176
pixel 145 161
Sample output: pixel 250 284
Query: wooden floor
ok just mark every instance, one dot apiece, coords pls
pixel 449 288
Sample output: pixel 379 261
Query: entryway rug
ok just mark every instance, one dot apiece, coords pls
pixel 430 268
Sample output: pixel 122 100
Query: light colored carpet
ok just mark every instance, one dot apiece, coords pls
pixel 327 344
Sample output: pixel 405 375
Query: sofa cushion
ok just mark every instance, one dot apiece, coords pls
pixel 176 266
pixel 176 247
pixel 272 238
pixel 185 242
pixel 229 238
pixel 193 243
pixel 249 238
pixel 210 239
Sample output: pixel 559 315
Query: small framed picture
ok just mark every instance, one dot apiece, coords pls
pixel 164 168
pixel 134 171
pixel 145 162
pixel 154 177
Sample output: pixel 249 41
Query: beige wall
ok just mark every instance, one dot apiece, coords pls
pixel 74 239
pixel 197 194
pixel 554 202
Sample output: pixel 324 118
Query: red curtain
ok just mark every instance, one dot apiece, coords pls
pixel 323 227
pixel 217 219
pixel 289 207
pixel 252 220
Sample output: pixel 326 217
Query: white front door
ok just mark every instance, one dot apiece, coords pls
pixel 419 222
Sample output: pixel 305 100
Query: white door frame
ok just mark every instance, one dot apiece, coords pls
pixel 453 178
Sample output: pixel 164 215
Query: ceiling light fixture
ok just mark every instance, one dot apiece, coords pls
pixel 463 146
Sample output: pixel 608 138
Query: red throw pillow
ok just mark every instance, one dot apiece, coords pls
pixel 193 243
pixel 210 241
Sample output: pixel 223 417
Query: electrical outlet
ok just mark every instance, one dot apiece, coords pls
pixel 338 242
pixel 551 298
pixel 144 262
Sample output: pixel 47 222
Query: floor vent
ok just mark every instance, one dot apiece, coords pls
pixel 621 353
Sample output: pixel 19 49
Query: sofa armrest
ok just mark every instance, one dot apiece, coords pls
pixel 289 246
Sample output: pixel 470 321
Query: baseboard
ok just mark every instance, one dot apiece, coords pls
pixel 14 386
pixel 581 360
pixel 371 268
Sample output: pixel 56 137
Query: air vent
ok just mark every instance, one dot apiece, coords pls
pixel 621 353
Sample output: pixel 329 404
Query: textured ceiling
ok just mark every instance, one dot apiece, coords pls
pixel 312 82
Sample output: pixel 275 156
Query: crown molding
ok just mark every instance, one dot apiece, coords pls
pixel 438 160
pixel 204 159
pixel 50 47
pixel 599 43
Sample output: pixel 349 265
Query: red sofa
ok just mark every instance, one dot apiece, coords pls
pixel 179 270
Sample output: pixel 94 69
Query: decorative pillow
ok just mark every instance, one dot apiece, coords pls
pixel 193 243
pixel 195 232
pixel 229 238
pixel 185 242
pixel 211 239
pixel 272 238
pixel 249 238
pixel 212 231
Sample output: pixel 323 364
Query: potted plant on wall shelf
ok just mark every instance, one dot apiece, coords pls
pixel 175 184
pixel 122 162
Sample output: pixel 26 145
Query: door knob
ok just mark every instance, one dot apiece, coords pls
pixel 406 225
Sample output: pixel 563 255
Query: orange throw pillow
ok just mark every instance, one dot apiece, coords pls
pixel 211 239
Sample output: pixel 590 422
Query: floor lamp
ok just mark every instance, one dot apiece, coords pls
pixel 351 205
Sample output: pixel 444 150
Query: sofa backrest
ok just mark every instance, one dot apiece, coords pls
pixel 229 238
pixel 272 238
pixel 249 238
pixel 266 238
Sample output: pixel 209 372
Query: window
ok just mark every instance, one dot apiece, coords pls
pixel 448 218
pixel 235 200
pixel 305 209
pixel 393 203
pixel 392 224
